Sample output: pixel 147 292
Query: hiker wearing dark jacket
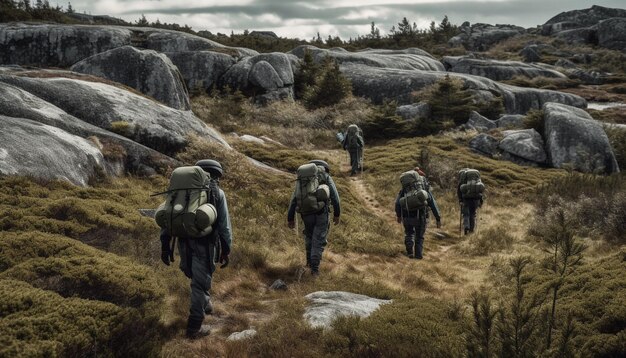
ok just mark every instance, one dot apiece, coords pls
pixel 316 225
pixel 469 206
pixel 199 255
pixel 353 143
pixel 415 223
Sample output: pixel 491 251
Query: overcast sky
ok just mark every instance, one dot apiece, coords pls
pixel 346 18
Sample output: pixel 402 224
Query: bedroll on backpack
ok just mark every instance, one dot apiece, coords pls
pixel 471 185
pixel 186 211
pixel 311 196
pixel 415 194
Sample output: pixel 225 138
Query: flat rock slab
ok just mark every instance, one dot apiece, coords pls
pixel 326 306
pixel 238 336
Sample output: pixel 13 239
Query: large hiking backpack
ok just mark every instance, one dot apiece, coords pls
pixel 354 135
pixel 187 211
pixel 312 192
pixel 471 185
pixel 415 195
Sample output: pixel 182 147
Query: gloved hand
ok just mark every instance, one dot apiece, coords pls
pixel 291 224
pixel 439 224
pixel 165 257
pixel 336 220
pixel 399 219
pixel 224 260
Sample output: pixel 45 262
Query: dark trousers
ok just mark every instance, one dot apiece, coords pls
pixel 315 232
pixel 355 159
pixel 414 230
pixel 469 213
pixel 196 261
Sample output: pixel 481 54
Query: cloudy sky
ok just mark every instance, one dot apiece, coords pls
pixel 346 18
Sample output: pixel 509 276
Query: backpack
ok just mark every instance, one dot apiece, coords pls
pixel 312 192
pixel 354 135
pixel 471 185
pixel 189 208
pixel 415 195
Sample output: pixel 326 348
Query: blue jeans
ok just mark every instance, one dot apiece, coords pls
pixel 196 261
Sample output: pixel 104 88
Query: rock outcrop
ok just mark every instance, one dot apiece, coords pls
pixel 175 41
pixel 201 69
pixel 379 84
pixel 141 119
pixel 407 59
pixel 480 37
pixel 484 144
pixel 580 18
pixel 480 123
pixel 501 70
pixel 34 149
pixel 147 71
pixel 526 144
pixel 325 306
pixel 573 137
pixel 52 45
pixel 414 111
pixel 612 33
pixel 120 153
pixel 511 121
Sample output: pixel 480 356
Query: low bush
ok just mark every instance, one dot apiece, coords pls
pixel 493 239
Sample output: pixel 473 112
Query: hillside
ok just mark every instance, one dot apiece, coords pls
pixel 94 118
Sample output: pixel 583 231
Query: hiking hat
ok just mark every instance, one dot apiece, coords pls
pixel 321 163
pixel 211 166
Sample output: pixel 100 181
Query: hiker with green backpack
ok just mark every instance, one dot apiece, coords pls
pixel 353 143
pixel 196 213
pixel 314 193
pixel 470 194
pixel 412 204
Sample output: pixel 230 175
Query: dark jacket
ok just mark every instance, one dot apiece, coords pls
pixel 432 204
pixel 334 200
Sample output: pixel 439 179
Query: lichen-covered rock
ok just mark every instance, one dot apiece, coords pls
pixel 141 119
pixel 34 149
pixel 326 306
pixel 573 137
pixel 580 18
pixel 525 143
pixel 407 59
pixel 380 84
pixel 484 144
pixel 53 45
pixel 175 41
pixel 511 121
pixel 147 71
pixel 501 70
pixel 131 156
pixel 530 54
pixel 579 36
pixel 480 123
pixel 612 33
pixel 480 37
pixel 201 69
pixel 414 111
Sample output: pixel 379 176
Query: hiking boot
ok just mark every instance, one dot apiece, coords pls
pixel 409 255
pixel 204 331
pixel 209 308
pixel 315 274
pixel 467 230
pixel 419 257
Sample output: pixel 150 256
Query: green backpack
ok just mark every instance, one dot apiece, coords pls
pixel 471 185
pixel 415 195
pixel 186 211
pixel 311 193
pixel 353 135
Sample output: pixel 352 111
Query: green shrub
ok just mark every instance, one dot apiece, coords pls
pixel 450 100
pixel 305 77
pixel 493 239
pixel 617 137
pixel 122 128
pixel 534 119
pixel 330 88
pixel 384 123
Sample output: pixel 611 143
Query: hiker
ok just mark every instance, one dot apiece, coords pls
pixel 198 255
pixel 315 190
pixel 353 143
pixel 412 205
pixel 470 194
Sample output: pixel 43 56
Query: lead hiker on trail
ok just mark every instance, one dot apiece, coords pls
pixel 314 192
pixel 470 193
pixel 196 212
pixel 412 205
pixel 353 143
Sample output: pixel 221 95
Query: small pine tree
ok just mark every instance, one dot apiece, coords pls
pixel 70 9
pixel 449 101
pixel 142 21
pixel 330 87
pixel 305 77
pixel 384 123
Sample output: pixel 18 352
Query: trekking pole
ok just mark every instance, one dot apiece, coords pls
pixel 460 219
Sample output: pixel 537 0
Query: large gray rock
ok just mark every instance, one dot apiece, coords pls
pixel 34 149
pixel 481 123
pixel 147 71
pixel 148 122
pixel 265 74
pixel 414 111
pixel 511 121
pixel 612 33
pixel 326 306
pixel 407 59
pixel 526 144
pixel 238 336
pixel 174 41
pixel 501 70
pixel 379 84
pixel 484 144
pixel 579 36
pixel 52 45
pixel 573 137
pixel 201 69
pixel 133 157
pixel 580 18
pixel 480 37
